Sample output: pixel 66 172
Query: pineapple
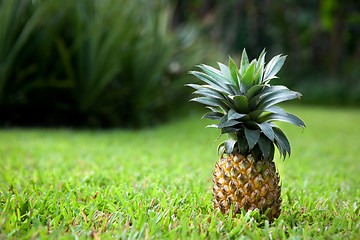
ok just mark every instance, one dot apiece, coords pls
pixel 244 103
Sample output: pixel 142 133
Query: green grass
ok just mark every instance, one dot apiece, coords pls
pixel 156 183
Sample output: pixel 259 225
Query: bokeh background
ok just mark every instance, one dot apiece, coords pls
pixel 124 63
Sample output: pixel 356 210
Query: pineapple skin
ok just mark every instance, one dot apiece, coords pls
pixel 245 183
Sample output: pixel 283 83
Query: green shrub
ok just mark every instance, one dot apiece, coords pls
pixel 93 63
pixel 18 22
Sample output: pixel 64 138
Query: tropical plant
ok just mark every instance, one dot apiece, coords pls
pixel 18 22
pixel 244 103
pixel 115 65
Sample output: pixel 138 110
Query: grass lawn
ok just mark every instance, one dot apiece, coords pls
pixel 156 183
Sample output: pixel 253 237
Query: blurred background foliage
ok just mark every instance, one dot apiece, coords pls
pixel 124 63
pixel 93 62
pixel 321 39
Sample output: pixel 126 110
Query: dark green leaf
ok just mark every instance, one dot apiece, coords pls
pixel 264 92
pixel 258 75
pixel 254 90
pixel 267 130
pixel 215 88
pixel 207 92
pixel 274 88
pixel 282 140
pixel 255 114
pixel 248 78
pixel 243 145
pixel 213 115
pixel 224 122
pixel 222 80
pixel 254 101
pixel 195 86
pixel 225 71
pixel 244 63
pixel 276 97
pixel 251 124
pixel 252 137
pixel 273 67
pixel 266 147
pixel 260 66
pixel 229 130
pixel 213 109
pixel 234 71
pixel 256 152
pixel 285 117
pixel 233 115
pixel 214 73
pixel 229 146
pixel 210 102
pixel 282 151
pixel 221 148
pixel 234 88
pixel 219 86
pixel 275 109
pixel 268 90
pixel 241 103
pixel 261 60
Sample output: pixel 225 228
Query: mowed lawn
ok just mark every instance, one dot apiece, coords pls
pixel 156 183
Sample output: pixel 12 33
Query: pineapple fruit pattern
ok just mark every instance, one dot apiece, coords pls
pixel 243 102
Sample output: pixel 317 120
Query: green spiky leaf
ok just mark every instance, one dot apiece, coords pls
pixel 275 109
pixel 282 141
pixel 213 115
pixel 241 103
pixel 267 130
pixel 255 114
pixel 208 92
pixel 273 67
pixel 277 97
pixel 213 109
pixel 225 122
pixel 233 115
pixel 266 146
pixel 195 86
pixel 210 102
pixel 261 59
pixel 252 137
pixel 234 71
pixel 285 117
pixel 254 90
pixel 229 130
pixel 243 145
pixel 229 146
pixel 214 73
pixel 273 88
pixel 258 75
pixel 225 70
pixel 244 63
pixel 247 80
pixel 219 86
pixel 221 148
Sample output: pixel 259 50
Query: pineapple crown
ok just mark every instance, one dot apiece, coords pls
pixel 243 102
